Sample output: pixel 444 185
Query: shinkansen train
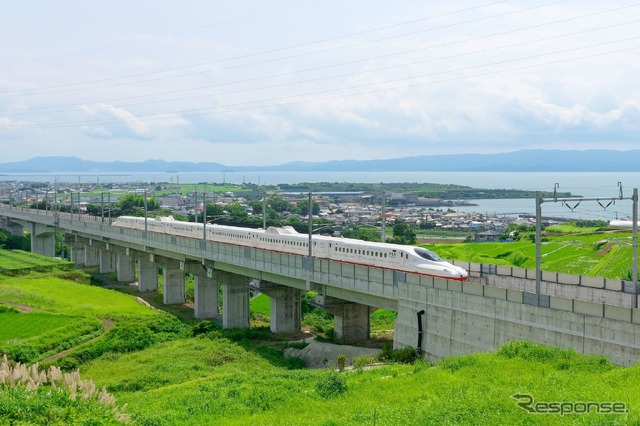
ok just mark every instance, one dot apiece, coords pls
pixel 288 240
pixel 622 223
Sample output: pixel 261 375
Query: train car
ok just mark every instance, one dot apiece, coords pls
pixel 622 224
pixel 396 257
pixel 288 240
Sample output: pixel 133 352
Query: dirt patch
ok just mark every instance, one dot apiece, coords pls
pixel 20 307
pixel 606 249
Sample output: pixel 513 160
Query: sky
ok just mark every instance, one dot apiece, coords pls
pixel 249 82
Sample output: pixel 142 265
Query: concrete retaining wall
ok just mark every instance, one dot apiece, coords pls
pixel 497 305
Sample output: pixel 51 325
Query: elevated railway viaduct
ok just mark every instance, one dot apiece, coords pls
pixel 438 316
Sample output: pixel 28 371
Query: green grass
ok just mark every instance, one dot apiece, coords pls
pixel 214 381
pixel 572 254
pixel 185 189
pixel 31 337
pixel 65 313
pixel 17 262
pixel 54 294
pixel 381 319
pixel 16 327
pixel 261 304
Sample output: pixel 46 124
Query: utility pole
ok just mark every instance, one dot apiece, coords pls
pixel 634 268
pixel 310 225
pixel 383 217
pixel 578 200
pixel 538 239
pixel 264 211
pixel 145 213
pixel 204 215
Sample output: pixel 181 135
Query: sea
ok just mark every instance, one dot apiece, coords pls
pixel 611 192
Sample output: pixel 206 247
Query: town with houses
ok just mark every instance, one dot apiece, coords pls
pixel 344 209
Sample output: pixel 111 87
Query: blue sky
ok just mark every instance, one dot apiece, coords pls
pixel 258 83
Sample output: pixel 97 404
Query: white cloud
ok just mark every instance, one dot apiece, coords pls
pixel 457 78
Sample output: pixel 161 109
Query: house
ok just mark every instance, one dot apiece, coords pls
pixel 487 236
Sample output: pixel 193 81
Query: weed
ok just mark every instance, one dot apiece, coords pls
pixel 342 362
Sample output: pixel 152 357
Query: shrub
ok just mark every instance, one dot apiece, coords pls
pixel 387 350
pixel 240 334
pixel 204 327
pixel 127 337
pixel 331 385
pixel 406 355
pixel 8 309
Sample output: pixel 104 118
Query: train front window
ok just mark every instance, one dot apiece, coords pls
pixel 427 254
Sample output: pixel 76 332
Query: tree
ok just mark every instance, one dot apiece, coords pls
pixel 280 205
pixel 428 225
pixel 402 233
pixel 363 233
pixel 303 208
pixel 236 212
pixel 132 204
pixel 214 210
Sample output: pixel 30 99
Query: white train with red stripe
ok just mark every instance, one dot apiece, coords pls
pixel 288 240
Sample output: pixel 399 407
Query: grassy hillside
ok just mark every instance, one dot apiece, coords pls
pixel 173 372
pixel 589 253
pixel 209 380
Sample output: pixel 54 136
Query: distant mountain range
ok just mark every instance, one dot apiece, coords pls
pixel 518 161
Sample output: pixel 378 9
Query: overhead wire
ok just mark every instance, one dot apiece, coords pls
pixel 34 110
pixel 194 112
pixel 146 39
pixel 3 93
pixel 294 99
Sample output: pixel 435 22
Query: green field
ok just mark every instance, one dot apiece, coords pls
pixel 186 189
pixel 15 327
pixel 13 262
pixel 53 294
pixel 593 254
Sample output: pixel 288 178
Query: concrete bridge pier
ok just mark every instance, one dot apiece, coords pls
pixel 147 273
pixel 107 258
pixel 43 239
pixel 125 264
pixel 77 250
pixel 91 254
pixel 14 228
pixel 174 282
pixel 351 321
pixel 286 307
pixel 235 301
pixel 206 282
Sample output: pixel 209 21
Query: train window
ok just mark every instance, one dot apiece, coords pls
pixel 427 254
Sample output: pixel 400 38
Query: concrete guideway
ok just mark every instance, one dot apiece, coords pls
pixel 441 317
